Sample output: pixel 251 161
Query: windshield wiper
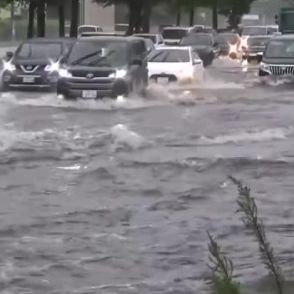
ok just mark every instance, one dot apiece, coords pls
pixel 95 62
pixel 86 57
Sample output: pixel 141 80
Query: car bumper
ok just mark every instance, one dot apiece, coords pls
pixel 100 88
pixel 20 80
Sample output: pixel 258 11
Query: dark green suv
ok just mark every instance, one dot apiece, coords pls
pixel 98 67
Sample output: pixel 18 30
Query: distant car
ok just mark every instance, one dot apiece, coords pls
pixel 89 29
pixel 255 48
pixel 175 64
pixel 173 35
pixel 100 34
pixel 98 67
pixel 249 31
pixel 278 58
pixel 35 64
pixel 204 45
pixel 229 43
pixel 157 39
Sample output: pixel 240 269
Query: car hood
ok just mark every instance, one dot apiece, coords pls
pixel 30 61
pixel 278 61
pixel 201 47
pixel 168 67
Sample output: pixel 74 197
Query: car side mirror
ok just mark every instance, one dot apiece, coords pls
pixel 136 62
pixel 196 61
pixel 9 55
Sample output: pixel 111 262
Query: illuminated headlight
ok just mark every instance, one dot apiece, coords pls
pixel 63 73
pixel 53 66
pixel 120 73
pixel 8 66
pixel 264 67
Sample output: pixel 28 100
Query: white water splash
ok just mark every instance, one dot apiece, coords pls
pixel 126 138
pixel 250 136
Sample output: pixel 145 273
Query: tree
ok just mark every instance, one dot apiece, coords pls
pixel 31 21
pixel 41 18
pixel 234 9
pixel 74 18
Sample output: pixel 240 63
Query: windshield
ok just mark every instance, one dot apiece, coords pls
pixel 227 38
pixel 40 50
pixel 169 55
pixel 87 29
pixel 257 41
pixel 99 53
pixel 174 33
pixel 280 49
pixel 253 31
pixel 197 40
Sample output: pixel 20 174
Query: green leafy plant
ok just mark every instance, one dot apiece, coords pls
pixel 248 208
pixel 222 270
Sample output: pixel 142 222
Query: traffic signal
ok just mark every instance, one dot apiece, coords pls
pixel 276 19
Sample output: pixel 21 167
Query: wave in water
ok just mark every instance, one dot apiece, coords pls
pixel 253 136
pixel 124 138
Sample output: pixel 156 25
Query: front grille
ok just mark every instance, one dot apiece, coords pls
pixel 91 74
pixel 79 85
pixel 30 68
pixel 279 70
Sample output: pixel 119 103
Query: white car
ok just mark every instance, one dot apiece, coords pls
pixel 175 64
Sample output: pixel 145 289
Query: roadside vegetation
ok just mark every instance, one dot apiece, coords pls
pixel 140 12
pixel 222 269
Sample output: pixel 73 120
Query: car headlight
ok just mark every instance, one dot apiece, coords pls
pixel 53 66
pixel 8 66
pixel 64 73
pixel 264 67
pixel 120 73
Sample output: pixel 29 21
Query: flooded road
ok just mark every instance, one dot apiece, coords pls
pixel 117 197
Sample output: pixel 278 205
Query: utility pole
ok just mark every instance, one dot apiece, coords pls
pixel 12 21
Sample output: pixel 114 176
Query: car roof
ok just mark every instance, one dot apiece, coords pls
pixel 102 34
pixel 91 26
pixel 145 34
pixel 176 28
pixel 49 40
pixel 112 38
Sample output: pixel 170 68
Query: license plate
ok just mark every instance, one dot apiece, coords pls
pixel 89 94
pixel 28 80
pixel 162 80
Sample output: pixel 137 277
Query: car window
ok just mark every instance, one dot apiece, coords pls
pixel 40 50
pixel 257 41
pixel 169 55
pixel 227 38
pixel 280 49
pixel 197 40
pixel 253 31
pixel 99 53
pixel 174 33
